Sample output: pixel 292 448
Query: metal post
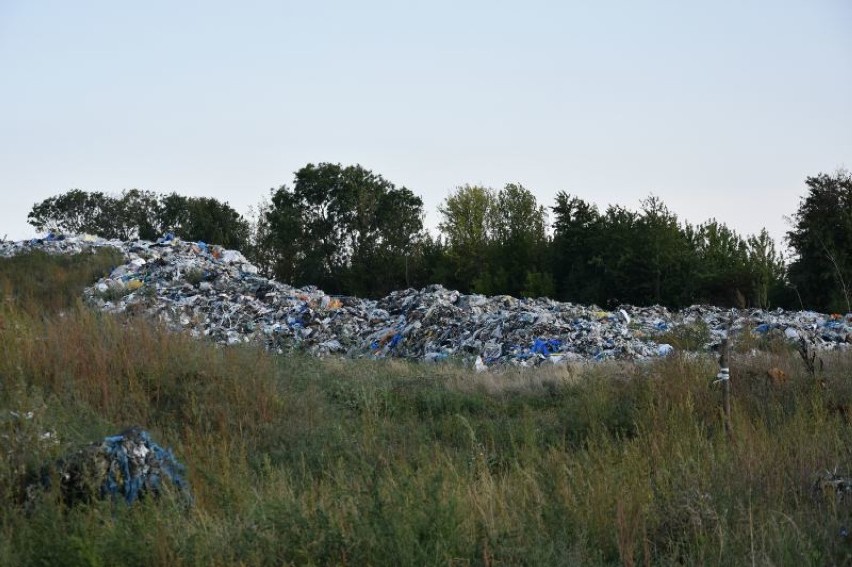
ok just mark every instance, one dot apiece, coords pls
pixel 725 378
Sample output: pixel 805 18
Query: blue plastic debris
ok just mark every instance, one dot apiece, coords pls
pixel 127 466
pixel 762 329
pixel 546 347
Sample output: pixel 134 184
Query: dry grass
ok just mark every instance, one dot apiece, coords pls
pixel 307 462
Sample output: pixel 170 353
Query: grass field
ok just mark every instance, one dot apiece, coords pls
pixel 339 462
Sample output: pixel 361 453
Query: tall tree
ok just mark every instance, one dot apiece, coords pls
pixel 137 212
pixel 661 250
pixel 76 211
pixel 466 224
pixel 617 256
pixel 142 214
pixel 343 229
pixel 766 267
pixel 575 228
pixel 821 238
pixel 204 218
pixel 518 225
pixel 723 274
pixel 648 256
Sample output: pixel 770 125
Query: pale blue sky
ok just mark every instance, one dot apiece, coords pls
pixel 721 108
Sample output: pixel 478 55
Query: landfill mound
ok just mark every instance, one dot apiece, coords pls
pixel 128 466
pixel 217 293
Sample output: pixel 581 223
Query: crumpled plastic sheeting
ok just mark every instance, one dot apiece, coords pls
pixel 129 466
pixel 216 293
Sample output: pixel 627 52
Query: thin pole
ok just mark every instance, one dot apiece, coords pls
pixel 724 377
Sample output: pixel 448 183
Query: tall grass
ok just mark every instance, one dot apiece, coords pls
pixel 47 282
pixel 315 462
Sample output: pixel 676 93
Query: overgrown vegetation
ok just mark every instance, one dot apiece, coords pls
pixel 37 282
pixel 330 462
pixel 349 231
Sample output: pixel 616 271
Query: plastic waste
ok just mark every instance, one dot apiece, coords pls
pixel 217 294
pixel 128 466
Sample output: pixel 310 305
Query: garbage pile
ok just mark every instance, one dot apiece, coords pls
pixel 217 293
pixel 57 244
pixel 129 466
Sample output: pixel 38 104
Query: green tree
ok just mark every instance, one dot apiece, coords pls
pixel 766 267
pixel 343 229
pixel 75 211
pixel 518 243
pixel 466 225
pixel 137 212
pixel 279 236
pixel 131 214
pixel 203 218
pixel 429 263
pixel 617 255
pixel 142 214
pixel 723 273
pixel 821 238
pixel 661 250
pixel 648 256
pixel 576 226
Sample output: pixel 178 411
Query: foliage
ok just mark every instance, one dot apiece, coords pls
pixel 204 218
pixel 766 268
pixel 519 241
pixel 576 266
pixel 342 229
pixel 648 256
pixel 129 215
pixel 141 214
pixel 496 240
pixel 348 230
pixel 821 238
pixel 466 226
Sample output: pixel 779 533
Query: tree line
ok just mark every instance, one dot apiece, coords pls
pixel 350 231
pixel 141 214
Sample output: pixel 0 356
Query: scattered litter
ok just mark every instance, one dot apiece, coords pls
pixel 218 294
pixel 832 484
pixel 665 349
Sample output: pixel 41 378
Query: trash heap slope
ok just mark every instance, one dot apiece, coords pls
pixel 217 293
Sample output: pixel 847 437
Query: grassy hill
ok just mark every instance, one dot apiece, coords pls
pixel 302 461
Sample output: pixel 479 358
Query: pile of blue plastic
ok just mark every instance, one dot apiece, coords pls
pixel 128 466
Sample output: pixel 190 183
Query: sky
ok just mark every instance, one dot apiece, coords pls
pixel 722 109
